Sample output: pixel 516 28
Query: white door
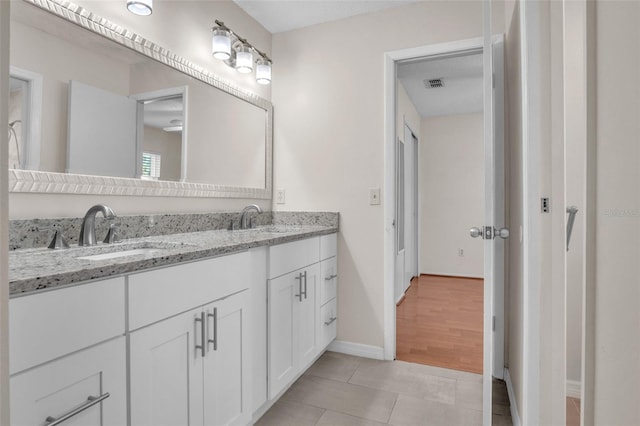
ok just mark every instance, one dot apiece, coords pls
pixel 411 232
pixel 400 222
pixel 102 132
pixel 493 231
pixel 283 326
pixel 226 367
pixel 308 316
pixel 93 379
pixel 166 372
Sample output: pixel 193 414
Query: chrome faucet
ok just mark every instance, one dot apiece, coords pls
pixel 244 216
pixel 88 229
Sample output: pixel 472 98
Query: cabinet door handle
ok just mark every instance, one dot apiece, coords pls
pixel 203 337
pixel 91 401
pixel 331 320
pixel 214 315
pixel 330 277
pixel 299 279
pixel 305 284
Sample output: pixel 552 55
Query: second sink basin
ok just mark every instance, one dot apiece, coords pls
pixel 116 251
pixel 145 252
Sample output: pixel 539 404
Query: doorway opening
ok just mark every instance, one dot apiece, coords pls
pixel 492 202
pixel 440 195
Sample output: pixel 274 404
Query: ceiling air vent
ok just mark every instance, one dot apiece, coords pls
pixel 433 83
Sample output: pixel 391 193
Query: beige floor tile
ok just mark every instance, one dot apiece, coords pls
pixel 401 377
pixel 464 417
pixel 331 418
pixel 345 398
pixel 444 372
pixel 469 395
pixel 334 366
pixel 285 413
pixel 411 411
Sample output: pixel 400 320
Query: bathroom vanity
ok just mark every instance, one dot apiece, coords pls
pixel 199 328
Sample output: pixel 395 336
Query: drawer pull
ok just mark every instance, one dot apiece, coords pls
pixel 91 401
pixel 331 320
pixel 305 284
pixel 300 293
pixel 214 315
pixel 330 277
pixel 203 337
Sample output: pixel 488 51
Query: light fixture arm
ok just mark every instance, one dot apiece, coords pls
pixel 244 41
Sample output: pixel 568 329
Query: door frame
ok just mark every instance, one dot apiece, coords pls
pixel 389 313
pixel 390 59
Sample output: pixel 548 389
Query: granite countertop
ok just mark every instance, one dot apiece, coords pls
pixel 41 268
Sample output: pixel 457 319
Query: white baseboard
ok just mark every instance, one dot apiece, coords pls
pixel 356 349
pixel 446 274
pixel 515 416
pixel 574 389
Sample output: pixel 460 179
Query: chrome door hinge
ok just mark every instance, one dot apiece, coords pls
pixel 494 323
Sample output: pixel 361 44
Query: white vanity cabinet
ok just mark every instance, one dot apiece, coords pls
pixel 68 356
pixel 191 367
pixel 293 318
pixel 296 289
pixel 328 289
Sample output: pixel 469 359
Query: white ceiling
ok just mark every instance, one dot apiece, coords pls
pixel 160 114
pixel 462 92
pixel 284 15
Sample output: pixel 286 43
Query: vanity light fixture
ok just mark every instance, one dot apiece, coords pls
pixel 140 7
pixel 238 53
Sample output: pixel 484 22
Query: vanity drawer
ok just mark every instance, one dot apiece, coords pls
pixel 328 246
pixel 165 292
pixel 328 279
pixel 328 323
pixel 284 258
pixel 47 325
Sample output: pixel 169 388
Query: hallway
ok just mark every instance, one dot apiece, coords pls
pixel 439 323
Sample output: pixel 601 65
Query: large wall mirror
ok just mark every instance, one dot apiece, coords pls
pixel 96 109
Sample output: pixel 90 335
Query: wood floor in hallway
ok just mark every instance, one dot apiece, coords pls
pixel 439 323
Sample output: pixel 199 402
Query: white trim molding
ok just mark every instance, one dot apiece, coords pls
pixel 513 406
pixel 356 349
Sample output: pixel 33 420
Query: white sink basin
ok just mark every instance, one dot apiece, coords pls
pixel 142 252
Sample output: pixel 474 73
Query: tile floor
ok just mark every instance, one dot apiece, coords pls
pixel 343 390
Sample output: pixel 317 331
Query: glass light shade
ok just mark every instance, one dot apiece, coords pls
pixel 244 59
pixel 221 44
pixel 263 71
pixel 140 7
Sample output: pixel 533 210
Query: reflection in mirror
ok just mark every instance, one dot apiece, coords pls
pixel 108 110
pixel 17 105
pixel 162 139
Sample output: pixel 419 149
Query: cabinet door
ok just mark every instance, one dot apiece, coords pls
pixel 283 327
pixel 227 379
pixel 166 372
pixel 308 317
pixel 59 387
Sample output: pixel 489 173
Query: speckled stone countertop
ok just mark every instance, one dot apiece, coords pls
pixel 40 268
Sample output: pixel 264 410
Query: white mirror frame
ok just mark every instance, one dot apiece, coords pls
pixel 62 183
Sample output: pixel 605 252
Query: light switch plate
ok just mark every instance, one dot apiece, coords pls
pixel 280 196
pixel 374 196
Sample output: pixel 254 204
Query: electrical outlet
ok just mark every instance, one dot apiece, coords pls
pixel 280 196
pixel 374 196
pixel 461 252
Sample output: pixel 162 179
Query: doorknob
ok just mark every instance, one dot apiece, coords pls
pixel 475 232
pixel 489 232
pixel 502 233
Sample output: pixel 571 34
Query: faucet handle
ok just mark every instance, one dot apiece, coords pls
pixel 58 241
pixel 112 234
